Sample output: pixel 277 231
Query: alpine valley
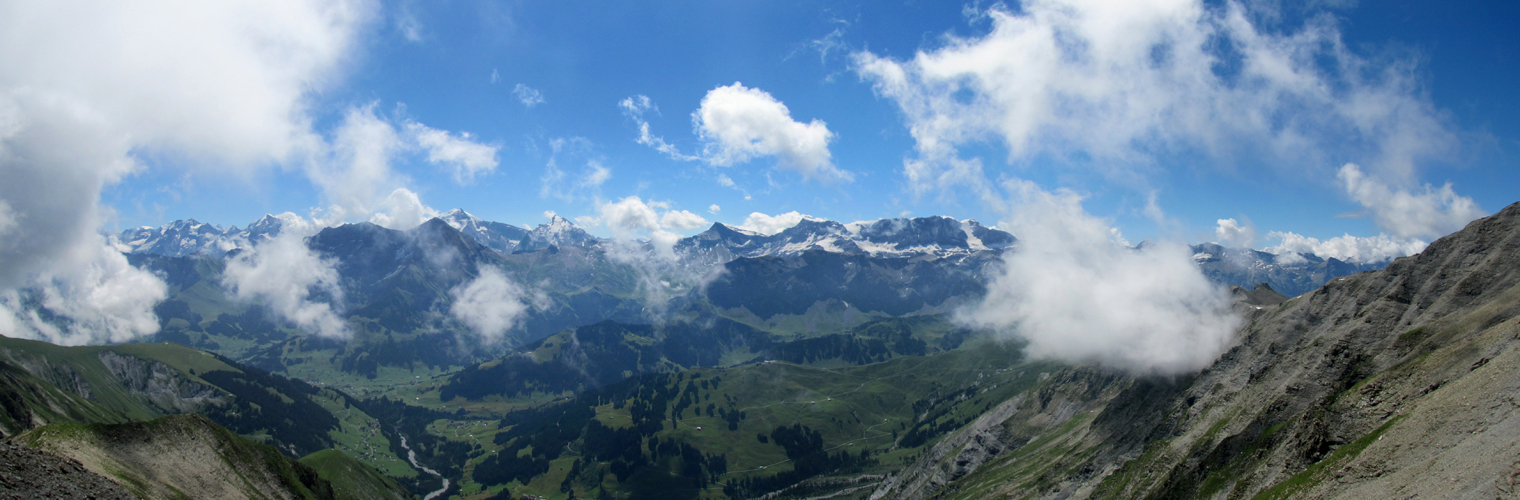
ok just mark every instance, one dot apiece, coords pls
pixel 825 360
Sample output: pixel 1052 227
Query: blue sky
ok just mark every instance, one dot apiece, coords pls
pixel 454 66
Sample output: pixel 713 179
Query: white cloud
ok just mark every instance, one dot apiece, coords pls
pixel 738 124
pixel 284 274
pixel 682 220
pixel 466 157
pixel 1231 233
pixel 529 96
pixel 85 86
pixel 634 108
pixel 768 225
pixel 1347 247
pixel 595 175
pixel 358 169
pixel 628 216
pixel 356 177
pixel 662 275
pixel 1434 213
pixel 832 42
pixel 713 209
pixel 96 297
pixel 491 304
pixel 1117 83
pixel 402 210
pixel 495 76
pixel 1078 296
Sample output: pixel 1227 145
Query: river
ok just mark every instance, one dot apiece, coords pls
pixel 412 456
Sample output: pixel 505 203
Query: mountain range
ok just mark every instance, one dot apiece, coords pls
pixel 1290 273
pixel 821 361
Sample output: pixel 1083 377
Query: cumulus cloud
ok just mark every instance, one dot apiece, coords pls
pixel 713 209
pixel 682 220
pixel 1077 295
pixel 1231 233
pixel 1432 213
pixel 491 304
pixel 628 216
pixel 358 170
pixel 460 153
pixel 1348 248
pixel 529 96
pixel 85 86
pixel 357 178
pixel 772 224
pixel 738 124
pixel 293 281
pixel 402 210
pixel 97 297
pixel 1116 83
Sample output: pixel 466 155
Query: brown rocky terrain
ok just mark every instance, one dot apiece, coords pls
pixel 26 474
pixel 181 456
pixel 1396 383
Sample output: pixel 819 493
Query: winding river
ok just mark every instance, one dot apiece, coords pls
pixel 412 456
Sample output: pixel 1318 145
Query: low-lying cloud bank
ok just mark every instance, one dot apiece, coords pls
pixel 94 296
pixel 492 304
pixel 1077 295
pixel 642 239
pixel 291 279
pixel 772 224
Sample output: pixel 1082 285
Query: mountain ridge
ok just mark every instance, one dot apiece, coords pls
pixel 1290 273
pixel 1380 384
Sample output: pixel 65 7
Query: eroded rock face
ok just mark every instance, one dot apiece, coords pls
pixel 181 456
pixel 165 387
pixel 62 375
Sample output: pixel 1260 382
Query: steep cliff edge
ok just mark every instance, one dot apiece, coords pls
pixel 1382 384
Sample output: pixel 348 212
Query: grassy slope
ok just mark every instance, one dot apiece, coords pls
pixel 869 407
pixel 111 402
pixel 29 401
pixel 352 479
pixel 106 391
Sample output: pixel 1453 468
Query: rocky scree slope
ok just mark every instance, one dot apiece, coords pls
pixel 1394 383
pixel 26 473
pixel 181 456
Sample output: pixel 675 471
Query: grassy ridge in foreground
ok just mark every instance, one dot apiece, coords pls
pixel 49 383
pixel 352 479
pixel 181 456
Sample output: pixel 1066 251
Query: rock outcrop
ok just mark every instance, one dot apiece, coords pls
pixel 181 456
pixel 29 473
